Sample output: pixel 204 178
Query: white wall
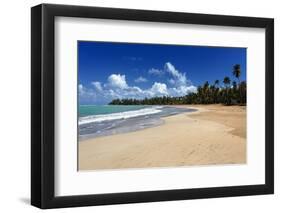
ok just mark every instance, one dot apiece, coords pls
pixel 15 105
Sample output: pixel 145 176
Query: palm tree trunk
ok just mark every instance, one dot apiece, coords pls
pixel 240 95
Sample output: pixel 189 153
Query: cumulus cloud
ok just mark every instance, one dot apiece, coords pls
pixel 140 79
pixel 87 95
pixel 117 87
pixel 117 81
pixel 179 84
pixel 156 72
pixel 172 81
pixel 182 90
pixel 97 85
pixel 171 69
pixel 178 79
pixel 80 88
pixel 159 89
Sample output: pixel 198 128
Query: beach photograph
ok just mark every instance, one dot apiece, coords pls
pixel 144 106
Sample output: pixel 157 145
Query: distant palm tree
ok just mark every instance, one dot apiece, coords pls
pixel 206 92
pixel 216 91
pixel 234 85
pixel 234 95
pixel 227 82
pixel 237 72
pixel 206 85
pixel 212 93
pixel 200 94
pixel 217 82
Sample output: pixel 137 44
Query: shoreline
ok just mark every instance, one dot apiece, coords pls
pixel 125 123
pixel 214 134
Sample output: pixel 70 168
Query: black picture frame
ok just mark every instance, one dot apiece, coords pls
pixel 43 117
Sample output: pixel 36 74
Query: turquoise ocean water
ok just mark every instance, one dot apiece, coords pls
pixel 102 120
pixel 86 110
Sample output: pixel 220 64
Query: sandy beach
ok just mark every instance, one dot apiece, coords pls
pixel 214 134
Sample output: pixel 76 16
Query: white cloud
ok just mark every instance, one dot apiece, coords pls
pixel 182 90
pixel 97 85
pixel 171 69
pixel 154 71
pixel 140 79
pixel 86 95
pixel 172 81
pixel 80 87
pixel 117 81
pixel 159 89
pixel 178 79
pixel 117 87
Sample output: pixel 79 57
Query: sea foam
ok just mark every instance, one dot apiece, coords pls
pixel 119 115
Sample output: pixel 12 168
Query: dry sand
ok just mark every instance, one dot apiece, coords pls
pixel 214 134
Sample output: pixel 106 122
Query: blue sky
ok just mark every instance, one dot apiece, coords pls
pixel 108 70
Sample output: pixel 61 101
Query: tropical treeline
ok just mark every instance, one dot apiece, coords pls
pixel 227 91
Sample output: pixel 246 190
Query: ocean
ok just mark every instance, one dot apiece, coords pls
pixel 102 120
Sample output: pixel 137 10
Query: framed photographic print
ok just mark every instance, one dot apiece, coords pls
pixel 139 106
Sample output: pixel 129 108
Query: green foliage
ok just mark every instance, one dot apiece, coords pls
pixel 236 71
pixel 234 94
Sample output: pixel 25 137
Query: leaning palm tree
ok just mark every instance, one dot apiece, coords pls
pixel 226 82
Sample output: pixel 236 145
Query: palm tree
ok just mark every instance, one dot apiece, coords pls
pixel 216 91
pixel 217 82
pixel 205 94
pixel 234 95
pixel 237 72
pixel 234 85
pixel 212 93
pixel 206 91
pixel 243 89
pixel 200 94
pixel 226 82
